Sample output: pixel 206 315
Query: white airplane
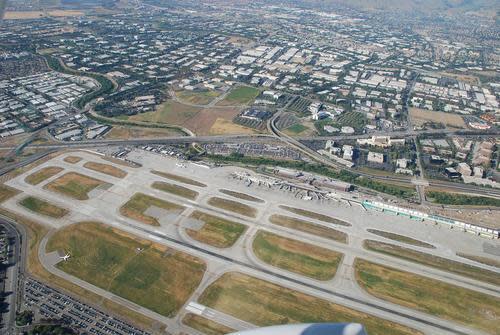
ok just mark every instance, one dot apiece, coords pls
pixel 65 257
pixel 181 165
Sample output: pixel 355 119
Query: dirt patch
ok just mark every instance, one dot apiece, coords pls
pixel 422 116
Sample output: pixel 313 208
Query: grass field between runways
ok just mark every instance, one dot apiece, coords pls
pixel 151 275
pixel 315 216
pixel 139 203
pixel 401 238
pixel 43 207
pixel 42 174
pixel 265 304
pixel 75 185
pixel 308 227
pixel 178 178
pixel 178 190
pixel 205 326
pixel 435 297
pixel 296 256
pixel 233 206
pixel 216 231
pixel 110 170
pixel 437 262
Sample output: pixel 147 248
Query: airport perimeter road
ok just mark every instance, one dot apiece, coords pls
pixel 15 274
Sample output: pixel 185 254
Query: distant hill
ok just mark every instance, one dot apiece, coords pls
pixel 3 4
pixel 414 5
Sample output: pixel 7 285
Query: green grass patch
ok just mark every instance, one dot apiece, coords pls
pixel 434 261
pixel 43 207
pixel 296 256
pixel 401 238
pixel 308 227
pixel 140 202
pixel 181 191
pixel 267 304
pixel 151 275
pixel 446 198
pixel 216 231
pixel 42 174
pixel 233 206
pixel 431 296
pixel 178 178
pixel 241 95
pixel 297 128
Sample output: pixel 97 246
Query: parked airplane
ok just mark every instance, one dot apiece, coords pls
pixel 65 257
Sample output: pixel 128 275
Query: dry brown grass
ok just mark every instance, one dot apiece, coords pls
pixel 156 277
pixel 35 233
pixel 127 133
pixel 233 206
pixel 106 169
pixel 205 326
pixel 296 256
pixel 216 231
pixel 72 159
pixel 139 203
pixel 178 178
pixel 7 192
pixel 241 196
pixel 181 191
pixel 314 215
pixel 421 116
pixel 431 296
pixel 308 227
pixel 42 174
pixel 264 304
pixel 74 185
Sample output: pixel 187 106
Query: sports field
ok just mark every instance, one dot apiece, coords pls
pixel 264 304
pixel 136 207
pixel 216 231
pixel 151 275
pixel 296 256
pixel 430 296
pixel 74 185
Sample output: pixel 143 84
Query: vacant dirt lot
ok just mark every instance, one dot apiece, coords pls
pixel 421 116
